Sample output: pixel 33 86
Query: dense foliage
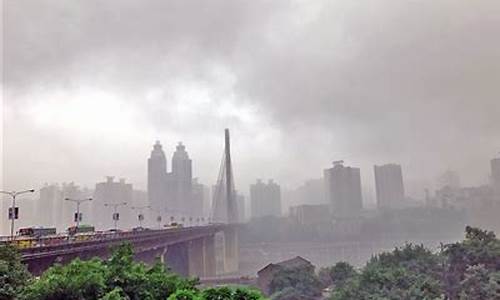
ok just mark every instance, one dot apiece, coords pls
pixel 465 270
pixel 118 278
pixel 13 275
pixel 336 275
pixel 295 283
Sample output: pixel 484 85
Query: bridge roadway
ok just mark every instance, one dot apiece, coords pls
pixel 187 251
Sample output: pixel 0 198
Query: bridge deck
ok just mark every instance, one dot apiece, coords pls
pixel 150 238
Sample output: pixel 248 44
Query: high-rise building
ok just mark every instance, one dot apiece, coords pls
pixel 265 199
pixel 311 192
pixel 181 181
pixel 389 186
pixel 172 193
pixel 157 178
pixel 110 192
pixel 67 209
pixel 199 195
pixel 50 197
pixel 343 190
pixel 56 211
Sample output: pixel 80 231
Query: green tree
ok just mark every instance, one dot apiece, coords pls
pixel 13 274
pixel 336 275
pixel 227 293
pixel 302 280
pixel 479 284
pixel 76 281
pixel 116 294
pixel 120 277
pixel 223 293
pixel 247 294
pixel 185 295
pixel 410 272
pixel 480 247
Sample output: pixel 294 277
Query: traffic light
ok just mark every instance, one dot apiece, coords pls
pixel 158 219
pixel 116 216
pixel 141 217
pixel 78 217
pixel 16 213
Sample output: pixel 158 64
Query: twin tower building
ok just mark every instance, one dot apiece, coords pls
pixel 171 193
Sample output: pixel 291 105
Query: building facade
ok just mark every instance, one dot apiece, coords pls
pixel 111 192
pixel 199 198
pixel 157 176
pixel 310 214
pixel 343 190
pixel 180 187
pixel 389 186
pixel 265 199
pixel 57 212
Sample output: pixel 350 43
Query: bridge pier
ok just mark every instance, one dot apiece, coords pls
pixel 177 258
pixel 193 258
pixel 197 258
pixel 210 258
pixel 231 250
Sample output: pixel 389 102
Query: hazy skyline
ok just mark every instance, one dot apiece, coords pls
pixel 89 86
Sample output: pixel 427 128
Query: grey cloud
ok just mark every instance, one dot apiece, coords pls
pixel 411 81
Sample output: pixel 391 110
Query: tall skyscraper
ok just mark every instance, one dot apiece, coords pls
pixel 157 177
pixel 265 199
pixel 171 192
pixel 182 180
pixel 343 190
pixel 389 186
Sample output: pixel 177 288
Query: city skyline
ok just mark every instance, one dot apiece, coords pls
pixel 434 183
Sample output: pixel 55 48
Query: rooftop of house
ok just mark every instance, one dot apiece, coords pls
pixel 287 264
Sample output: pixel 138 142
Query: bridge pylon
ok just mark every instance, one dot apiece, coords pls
pixel 225 208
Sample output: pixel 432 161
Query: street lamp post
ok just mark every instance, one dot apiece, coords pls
pixel 12 215
pixel 140 216
pixel 78 202
pixel 115 211
pixel 158 219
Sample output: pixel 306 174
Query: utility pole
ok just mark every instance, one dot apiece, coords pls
pixel 78 216
pixel 12 213
pixel 140 216
pixel 116 215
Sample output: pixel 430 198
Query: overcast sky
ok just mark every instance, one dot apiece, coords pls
pixel 88 86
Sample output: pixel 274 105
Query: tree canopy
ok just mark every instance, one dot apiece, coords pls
pixel 117 278
pixel 464 270
pixel 13 274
